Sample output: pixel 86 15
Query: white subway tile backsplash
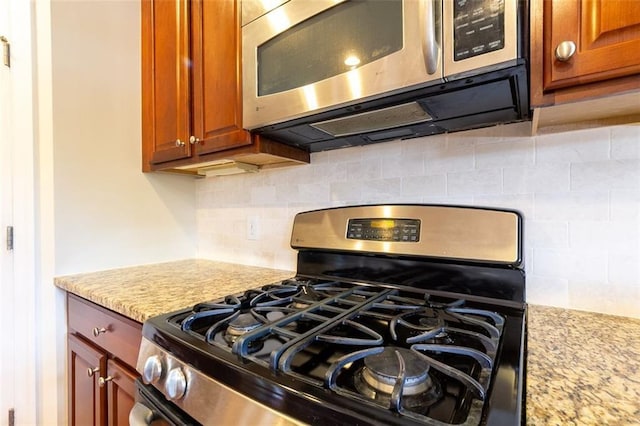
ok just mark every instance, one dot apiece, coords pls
pixel 505 154
pixel 573 147
pixel 454 156
pixel 474 182
pixel 610 236
pixel 263 195
pixel 625 142
pixel 548 290
pixel 364 170
pixel 346 192
pixel 572 206
pixel 533 179
pixel 421 186
pixel 625 205
pixel 606 175
pixel 624 269
pixel 402 165
pixel 579 192
pixel 314 192
pixel 375 191
pixel 546 234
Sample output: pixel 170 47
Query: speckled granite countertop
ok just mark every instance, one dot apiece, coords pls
pixel 583 368
pixel 141 292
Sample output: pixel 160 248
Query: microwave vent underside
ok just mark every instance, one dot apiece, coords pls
pixel 385 118
pixel 497 97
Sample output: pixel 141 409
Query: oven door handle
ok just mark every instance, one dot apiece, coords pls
pixel 140 415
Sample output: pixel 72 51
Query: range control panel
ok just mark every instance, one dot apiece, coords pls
pixel 396 230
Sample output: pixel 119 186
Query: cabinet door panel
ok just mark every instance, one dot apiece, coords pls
pixel 121 391
pixel 217 94
pixel 86 399
pixel 166 79
pixel 607 38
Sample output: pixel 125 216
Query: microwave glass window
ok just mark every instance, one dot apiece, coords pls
pixel 347 36
pixel 478 27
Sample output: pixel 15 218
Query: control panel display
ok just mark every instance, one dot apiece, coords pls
pixel 478 27
pixel 393 230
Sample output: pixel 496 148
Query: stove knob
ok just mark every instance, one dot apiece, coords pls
pixel 176 384
pixel 152 370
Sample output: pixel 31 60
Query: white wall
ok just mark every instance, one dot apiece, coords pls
pixel 107 213
pixel 579 192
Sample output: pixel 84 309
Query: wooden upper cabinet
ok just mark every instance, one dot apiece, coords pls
pixel 606 36
pixel 217 77
pixel 166 81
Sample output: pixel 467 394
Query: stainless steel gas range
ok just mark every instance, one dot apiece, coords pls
pixel 398 314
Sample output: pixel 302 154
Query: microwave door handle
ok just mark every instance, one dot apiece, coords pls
pixel 431 47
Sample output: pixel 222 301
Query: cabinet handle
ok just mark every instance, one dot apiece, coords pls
pixel 179 143
pixel 103 380
pixel 193 140
pixel 97 331
pixel 6 57
pixel 92 371
pixel 565 51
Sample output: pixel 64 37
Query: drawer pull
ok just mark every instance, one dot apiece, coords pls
pixel 92 371
pixel 97 331
pixel 103 380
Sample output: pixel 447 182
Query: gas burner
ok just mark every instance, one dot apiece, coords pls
pixel 240 325
pixel 418 322
pixel 381 372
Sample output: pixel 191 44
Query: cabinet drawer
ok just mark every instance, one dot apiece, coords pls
pixel 113 332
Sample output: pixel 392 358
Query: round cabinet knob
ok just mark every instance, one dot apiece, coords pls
pixel 176 384
pixel 179 143
pixel 98 331
pixel 193 140
pixel 92 371
pixel 152 370
pixel 103 380
pixel 565 51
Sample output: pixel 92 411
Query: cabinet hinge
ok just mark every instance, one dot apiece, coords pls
pixel 9 237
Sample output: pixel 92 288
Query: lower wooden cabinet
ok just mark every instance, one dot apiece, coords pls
pixel 121 391
pixel 101 373
pixel 87 400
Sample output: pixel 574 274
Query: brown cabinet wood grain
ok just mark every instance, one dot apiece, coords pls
pixel 102 351
pixel 87 400
pixel 192 91
pixel 121 391
pixel 606 60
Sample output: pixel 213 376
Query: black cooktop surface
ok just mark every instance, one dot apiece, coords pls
pixel 357 352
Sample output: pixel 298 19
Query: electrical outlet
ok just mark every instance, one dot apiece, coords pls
pixel 253 227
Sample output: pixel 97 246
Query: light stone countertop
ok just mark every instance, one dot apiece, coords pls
pixel 141 292
pixel 583 368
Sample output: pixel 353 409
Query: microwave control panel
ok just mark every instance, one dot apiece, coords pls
pixel 391 230
pixel 478 27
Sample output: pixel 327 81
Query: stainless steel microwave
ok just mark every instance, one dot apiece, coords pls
pixel 302 59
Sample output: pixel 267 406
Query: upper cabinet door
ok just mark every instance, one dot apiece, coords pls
pixel 217 84
pixel 606 36
pixel 166 83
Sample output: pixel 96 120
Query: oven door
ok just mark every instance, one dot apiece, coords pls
pixel 151 408
pixel 306 57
